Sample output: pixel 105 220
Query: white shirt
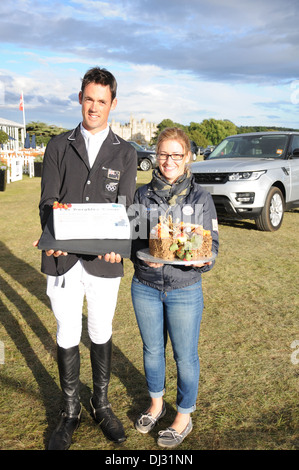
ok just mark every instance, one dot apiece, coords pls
pixel 93 142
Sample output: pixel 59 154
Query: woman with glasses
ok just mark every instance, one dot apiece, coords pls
pixel 167 298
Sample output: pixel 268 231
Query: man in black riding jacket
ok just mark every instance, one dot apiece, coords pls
pixel 89 164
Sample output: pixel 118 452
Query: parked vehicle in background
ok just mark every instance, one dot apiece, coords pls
pixel 146 158
pixel 207 152
pixel 194 150
pixel 253 176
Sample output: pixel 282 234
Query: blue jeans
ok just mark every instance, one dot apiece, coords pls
pixel 179 313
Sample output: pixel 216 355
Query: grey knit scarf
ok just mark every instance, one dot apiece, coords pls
pixel 173 193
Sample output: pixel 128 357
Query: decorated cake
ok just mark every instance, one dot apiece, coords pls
pixel 90 221
pixel 188 242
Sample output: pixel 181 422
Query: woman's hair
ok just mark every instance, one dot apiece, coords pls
pixel 100 77
pixel 174 133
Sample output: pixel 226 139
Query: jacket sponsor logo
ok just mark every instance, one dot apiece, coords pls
pixel 111 187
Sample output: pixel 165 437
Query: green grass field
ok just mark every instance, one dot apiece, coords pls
pixel 248 391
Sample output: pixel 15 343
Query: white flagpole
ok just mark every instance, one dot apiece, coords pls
pixel 23 110
pixel 24 122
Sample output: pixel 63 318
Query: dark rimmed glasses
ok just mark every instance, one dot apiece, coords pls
pixel 176 157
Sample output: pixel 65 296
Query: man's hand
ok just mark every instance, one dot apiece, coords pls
pixel 51 252
pixel 111 257
pixel 56 253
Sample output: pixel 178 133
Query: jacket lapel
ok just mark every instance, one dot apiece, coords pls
pixel 105 155
pixel 78 143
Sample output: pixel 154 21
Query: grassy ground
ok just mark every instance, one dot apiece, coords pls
pixel 249 382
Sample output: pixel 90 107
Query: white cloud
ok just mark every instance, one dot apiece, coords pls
pixel 106 9
pixel 180 60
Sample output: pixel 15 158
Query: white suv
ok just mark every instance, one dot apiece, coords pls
pixel 253 176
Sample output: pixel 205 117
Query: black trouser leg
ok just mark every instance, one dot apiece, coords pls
pixel 100 355
pixel 69 371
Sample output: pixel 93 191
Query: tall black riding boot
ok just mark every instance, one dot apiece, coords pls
pixel 100 355
pixel 69 370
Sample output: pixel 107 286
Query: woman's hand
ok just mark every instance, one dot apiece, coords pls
pixel 153 265
pixel 199 265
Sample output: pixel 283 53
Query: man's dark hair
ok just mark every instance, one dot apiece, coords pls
pixel 100 77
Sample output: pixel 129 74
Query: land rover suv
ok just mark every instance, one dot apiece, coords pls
pixel 253 176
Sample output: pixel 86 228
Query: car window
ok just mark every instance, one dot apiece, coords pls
pixel 295 143
pixel 264 146
pixel 136 146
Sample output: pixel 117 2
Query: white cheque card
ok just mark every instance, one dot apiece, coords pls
pixel 91 222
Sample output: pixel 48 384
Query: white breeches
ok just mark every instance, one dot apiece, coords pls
pixel 67 293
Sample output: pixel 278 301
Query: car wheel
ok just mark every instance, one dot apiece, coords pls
pixel 145 164
pixel 271 216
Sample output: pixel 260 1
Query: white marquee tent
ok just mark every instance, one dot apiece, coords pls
pixel 12 130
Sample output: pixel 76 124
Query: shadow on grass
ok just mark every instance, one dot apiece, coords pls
pixel 34 283
pixel 242 224
pixel 50 394
pixel 245 224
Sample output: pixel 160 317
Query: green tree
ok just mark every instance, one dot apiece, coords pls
pixel 216 130
pixel 244 129
pixel 195 133
pixel 163 125
pixel 3 137
pixel 230 127
pixel 43 132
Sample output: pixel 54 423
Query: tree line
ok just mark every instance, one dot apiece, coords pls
pixel 208 132
pixel 213 131
pixel 43 133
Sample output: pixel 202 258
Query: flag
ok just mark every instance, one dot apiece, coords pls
pixel 21 105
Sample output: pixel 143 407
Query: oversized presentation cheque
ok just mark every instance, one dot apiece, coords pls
pixel 93 229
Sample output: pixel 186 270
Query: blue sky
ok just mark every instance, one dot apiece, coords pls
pixel 186 61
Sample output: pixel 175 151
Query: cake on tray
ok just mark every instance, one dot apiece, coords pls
pixel 185 241
pixel 90 221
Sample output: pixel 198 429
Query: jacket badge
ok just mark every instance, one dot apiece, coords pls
pixel 111 186
pixel 113 174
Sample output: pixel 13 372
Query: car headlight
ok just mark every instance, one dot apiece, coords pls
pixel 246 175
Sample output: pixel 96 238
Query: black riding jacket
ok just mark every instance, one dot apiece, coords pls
pixel 68 178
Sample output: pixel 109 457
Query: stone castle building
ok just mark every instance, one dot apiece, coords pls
pixel 140 131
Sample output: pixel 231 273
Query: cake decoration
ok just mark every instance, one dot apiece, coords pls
pixel 170 240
